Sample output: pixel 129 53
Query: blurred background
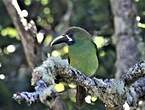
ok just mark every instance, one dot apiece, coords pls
pixel 52 17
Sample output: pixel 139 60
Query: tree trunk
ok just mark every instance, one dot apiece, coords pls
pixel 27 31
pixel 126 36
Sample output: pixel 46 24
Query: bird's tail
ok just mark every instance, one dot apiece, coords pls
pixel 80 96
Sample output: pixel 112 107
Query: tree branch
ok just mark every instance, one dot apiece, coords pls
pixel 27 31
pixel 134 73
pixel 114 93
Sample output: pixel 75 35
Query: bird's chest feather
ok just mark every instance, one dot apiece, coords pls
pixel 83 57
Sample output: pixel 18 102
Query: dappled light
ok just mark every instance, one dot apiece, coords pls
pixel 99 41
pixel 138 18
pixel 93 98
pixel 71 85
pixel 88 99
pixel 59 87
pixel 2 76
pixel 9 31
pixel 40 37
pixel 11 48
pixel 55 53
pixel 141 25
pixel 48 39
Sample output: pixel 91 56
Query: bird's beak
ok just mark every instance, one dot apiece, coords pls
pixel 61 39
pixel 58 40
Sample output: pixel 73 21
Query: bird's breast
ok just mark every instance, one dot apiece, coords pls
pixel 84 58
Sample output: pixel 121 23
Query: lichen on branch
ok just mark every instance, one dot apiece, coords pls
pixel 112 92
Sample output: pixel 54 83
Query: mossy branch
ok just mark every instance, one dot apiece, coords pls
pixel 114 93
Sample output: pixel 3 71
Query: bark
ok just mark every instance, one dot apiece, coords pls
pixel 26 30
pixel 114 93
pixel 126 36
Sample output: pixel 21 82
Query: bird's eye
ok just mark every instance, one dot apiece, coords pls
pixel 70 34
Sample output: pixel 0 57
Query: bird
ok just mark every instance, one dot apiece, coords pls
pixel 82 55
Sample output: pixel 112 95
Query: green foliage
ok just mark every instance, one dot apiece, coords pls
pixel 93 14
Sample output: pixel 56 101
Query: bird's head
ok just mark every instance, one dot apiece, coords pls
pixel 71 36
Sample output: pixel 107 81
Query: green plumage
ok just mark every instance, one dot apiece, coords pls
pixel 82 55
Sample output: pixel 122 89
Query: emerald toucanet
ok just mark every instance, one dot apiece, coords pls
pixel 82 54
